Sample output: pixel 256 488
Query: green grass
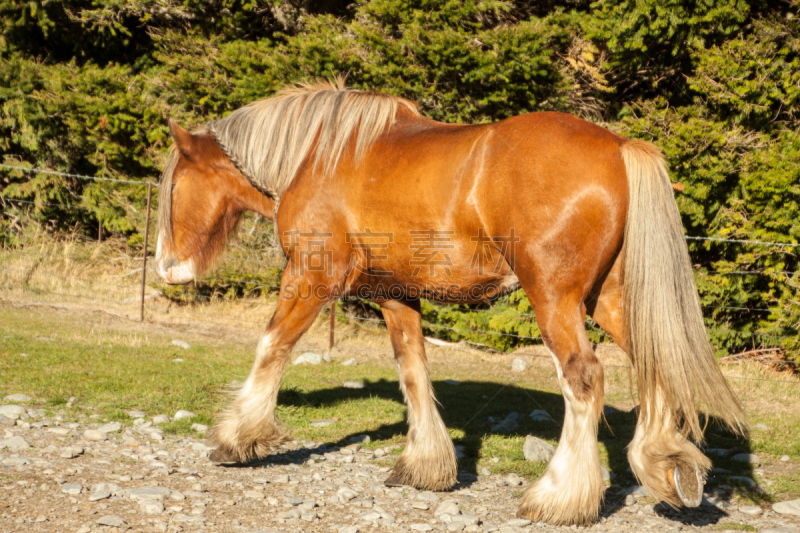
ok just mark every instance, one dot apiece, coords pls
pixel 732 526
pixel 112 366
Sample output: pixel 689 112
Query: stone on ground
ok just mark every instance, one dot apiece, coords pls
pixel 99 495
pixel 183 413
pixel 161 419
pixel 12 411
pixel 149 493
pixel 746 481
pixel 350 362
pixel 17 398
pixel 719 452
pixel 112 520
pixel 310 358
pixel 447 507
pixel 181 344
pixel 519 364
pixel 71 452
pixel 750 458
pixel 71 488
pixel 109 487
pixel 636 490
pixel 511 423
pixel 346 494
pixel 94 435
pixel 791 507
pixel 537 450
pixel 353 385
pixel 151 507
pixel 750 510
pixel 540 415
pixel 16 444
pixel 113 427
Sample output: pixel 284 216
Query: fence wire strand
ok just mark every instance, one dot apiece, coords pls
pixel 67 206
pixel 77 176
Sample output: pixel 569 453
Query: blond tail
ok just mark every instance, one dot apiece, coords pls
pixel 665 333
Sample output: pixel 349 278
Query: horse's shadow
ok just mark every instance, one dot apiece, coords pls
pixel 476 408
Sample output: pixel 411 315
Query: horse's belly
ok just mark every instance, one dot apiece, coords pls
pixel 455 289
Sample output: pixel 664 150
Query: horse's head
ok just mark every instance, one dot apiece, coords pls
pixel 201 199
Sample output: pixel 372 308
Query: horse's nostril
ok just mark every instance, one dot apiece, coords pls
pixel 170 263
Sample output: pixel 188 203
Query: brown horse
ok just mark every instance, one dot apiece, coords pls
pixel 372 199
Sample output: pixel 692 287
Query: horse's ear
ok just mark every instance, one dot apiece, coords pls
pixel 184 140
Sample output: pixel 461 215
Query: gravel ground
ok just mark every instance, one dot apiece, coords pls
pixel 69 477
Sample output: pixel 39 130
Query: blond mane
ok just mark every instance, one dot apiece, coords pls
pixel 269 139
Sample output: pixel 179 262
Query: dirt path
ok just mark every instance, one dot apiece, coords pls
pixel 139 479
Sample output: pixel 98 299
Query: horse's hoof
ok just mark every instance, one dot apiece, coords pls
pixel 222 457
pixel 689 486
pixel 395 481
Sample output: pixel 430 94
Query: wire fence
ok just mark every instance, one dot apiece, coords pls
pixel 27 274
pixel 155 184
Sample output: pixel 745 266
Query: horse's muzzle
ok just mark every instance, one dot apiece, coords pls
pixel 172 271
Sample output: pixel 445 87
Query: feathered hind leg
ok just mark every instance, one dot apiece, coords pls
pixel 248 428
pixel 671 468
pixel 429 458
pixel 666 339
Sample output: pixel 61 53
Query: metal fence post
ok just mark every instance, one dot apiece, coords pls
pixel 333 318
pixel 144 256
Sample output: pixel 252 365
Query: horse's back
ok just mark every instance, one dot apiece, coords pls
pixel 534 165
